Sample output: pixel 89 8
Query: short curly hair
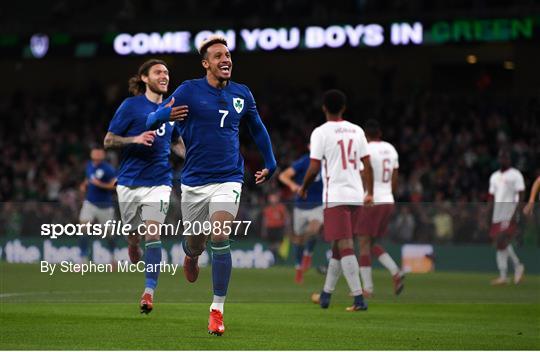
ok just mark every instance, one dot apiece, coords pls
pixel 208 42
pixel 334 100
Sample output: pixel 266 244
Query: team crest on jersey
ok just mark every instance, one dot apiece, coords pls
pixel 99 174
pixel 238 104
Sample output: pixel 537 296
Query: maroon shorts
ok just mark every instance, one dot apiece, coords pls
pixel 340 221
pixel 373 221
pixel 508 228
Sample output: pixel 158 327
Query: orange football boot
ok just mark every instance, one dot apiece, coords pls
pixel 146 303
pixel 215 323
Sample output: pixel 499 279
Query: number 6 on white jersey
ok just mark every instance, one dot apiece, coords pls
pixel 225 113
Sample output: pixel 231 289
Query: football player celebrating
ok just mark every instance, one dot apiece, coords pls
pixel 145 175
pixel 213 172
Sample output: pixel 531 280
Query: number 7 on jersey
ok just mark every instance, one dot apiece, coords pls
pixel 225 113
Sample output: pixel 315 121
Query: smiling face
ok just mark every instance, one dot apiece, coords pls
pixel 157 79
pixel 217 62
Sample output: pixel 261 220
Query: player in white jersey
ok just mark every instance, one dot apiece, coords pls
pixel 340 146
pixel 374 220
pixel 506 188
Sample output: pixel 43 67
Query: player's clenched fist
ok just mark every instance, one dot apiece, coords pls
pixel 178 113
pixel 145 138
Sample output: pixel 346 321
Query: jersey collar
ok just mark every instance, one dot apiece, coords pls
pixel 148 100
pixel 214 89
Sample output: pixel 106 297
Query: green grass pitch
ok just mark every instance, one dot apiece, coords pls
pixel 264 310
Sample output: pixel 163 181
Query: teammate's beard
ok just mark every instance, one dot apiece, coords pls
pixel 154 87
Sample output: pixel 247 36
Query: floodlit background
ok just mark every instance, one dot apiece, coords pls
pixel 450 82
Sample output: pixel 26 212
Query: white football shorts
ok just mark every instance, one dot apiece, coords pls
pixel 302 217
pixel 94 214
pixel 139 204
pixel 200 202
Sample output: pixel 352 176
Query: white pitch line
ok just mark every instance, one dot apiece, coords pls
pixel 15 294
pixel 38 293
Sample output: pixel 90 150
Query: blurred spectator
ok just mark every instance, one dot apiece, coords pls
pixel 443 222
pixel 126 15
pixel 275 218
pixel 465 227
pixel 404 225
pixel 10 220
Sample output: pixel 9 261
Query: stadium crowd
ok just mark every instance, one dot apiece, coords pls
pixel 447 146
pixel 88 16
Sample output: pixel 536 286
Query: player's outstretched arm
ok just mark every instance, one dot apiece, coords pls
pixel 528 209
pixel 83 186
pixel 262 140
pixel 165 113
pixel 119 126
pixel 286 177
pixel 114 141
pixel 170 109
pixel 311 173
pixel 110 185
